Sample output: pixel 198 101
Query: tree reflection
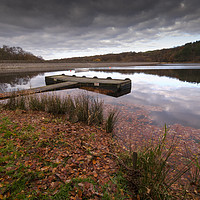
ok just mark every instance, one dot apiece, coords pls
pixel 188 75
pixel 15 79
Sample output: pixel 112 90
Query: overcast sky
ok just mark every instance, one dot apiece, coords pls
pixel 69 28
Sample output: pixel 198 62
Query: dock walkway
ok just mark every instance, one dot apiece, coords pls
pixel 113 87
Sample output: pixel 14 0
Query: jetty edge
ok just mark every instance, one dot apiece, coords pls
pixel 114 85
pixel 108 86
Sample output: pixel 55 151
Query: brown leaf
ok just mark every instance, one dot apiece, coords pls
pixel 45 168
pixel 95 175
pixel 138 197
pixel 80 193
pixel 94 162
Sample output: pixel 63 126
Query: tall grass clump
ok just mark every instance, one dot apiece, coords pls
pixel 111 120
pixel 14 102
pixel 82 108
pixel 196 174
pixel 11 103
pixel 89 110
pixel 55 105
pixel 21 103
pixel 148 171
pixel 70 109
pixel 96 112
pixel 82 103
pixel 37 103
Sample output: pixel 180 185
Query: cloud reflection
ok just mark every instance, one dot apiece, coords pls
pixel 169 100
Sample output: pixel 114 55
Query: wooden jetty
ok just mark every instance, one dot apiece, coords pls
pixel 100 83
pixel 108 86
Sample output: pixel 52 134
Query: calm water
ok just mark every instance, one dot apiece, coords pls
pixel 173 91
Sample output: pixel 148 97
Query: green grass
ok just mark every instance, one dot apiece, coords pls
pixel 20 181
pixel 79 186
pixel 144 174
pixel 148 172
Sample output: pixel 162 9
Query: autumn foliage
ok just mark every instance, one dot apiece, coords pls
pixel 47 155
pixel 189 52
pixel 44 157
pixel 17 54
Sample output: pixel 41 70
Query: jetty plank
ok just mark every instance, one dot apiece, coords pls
pixel 101 83
pixel 57 86
pixel 109 86
pixel 47 88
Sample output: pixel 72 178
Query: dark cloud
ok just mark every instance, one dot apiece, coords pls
pixel 104 23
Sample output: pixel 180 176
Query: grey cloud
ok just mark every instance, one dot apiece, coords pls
pixel 48 13
pixel 72 24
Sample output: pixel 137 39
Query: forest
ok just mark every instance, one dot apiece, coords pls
pixel 17 54
pixel 189 52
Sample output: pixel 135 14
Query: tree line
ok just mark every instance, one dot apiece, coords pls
pixel 17 54
pixel 189 52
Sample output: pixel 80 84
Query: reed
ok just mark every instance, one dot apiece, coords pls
pixel 70 109
pixel 111 120
pixel 95 112
pixel 81 108
pixel 37 103
pixel 16 102
pixel 54 105
pixel 148 171
pixel 89 110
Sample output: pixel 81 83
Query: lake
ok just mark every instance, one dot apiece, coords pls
pixel 170 93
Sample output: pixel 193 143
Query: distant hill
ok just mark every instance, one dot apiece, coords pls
pixel 189 52
pixel 16 54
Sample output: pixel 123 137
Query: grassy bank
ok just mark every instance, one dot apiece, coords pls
pixel 81 108
pixel 60 148
pixel 44 157
pixel 151 174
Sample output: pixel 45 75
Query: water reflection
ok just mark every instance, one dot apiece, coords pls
pixel 189 75
pixel 171 95
pixel 168 104
pixel 10 82
pixel 107 86
pixel 112 93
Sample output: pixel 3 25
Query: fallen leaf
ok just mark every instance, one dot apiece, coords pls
pixel 81 184
pixel 94 162
pixel 45 168
pixel 80 193
pixel 95 174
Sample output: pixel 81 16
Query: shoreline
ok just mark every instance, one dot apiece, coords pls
pixel 90 136
pixel 7 68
